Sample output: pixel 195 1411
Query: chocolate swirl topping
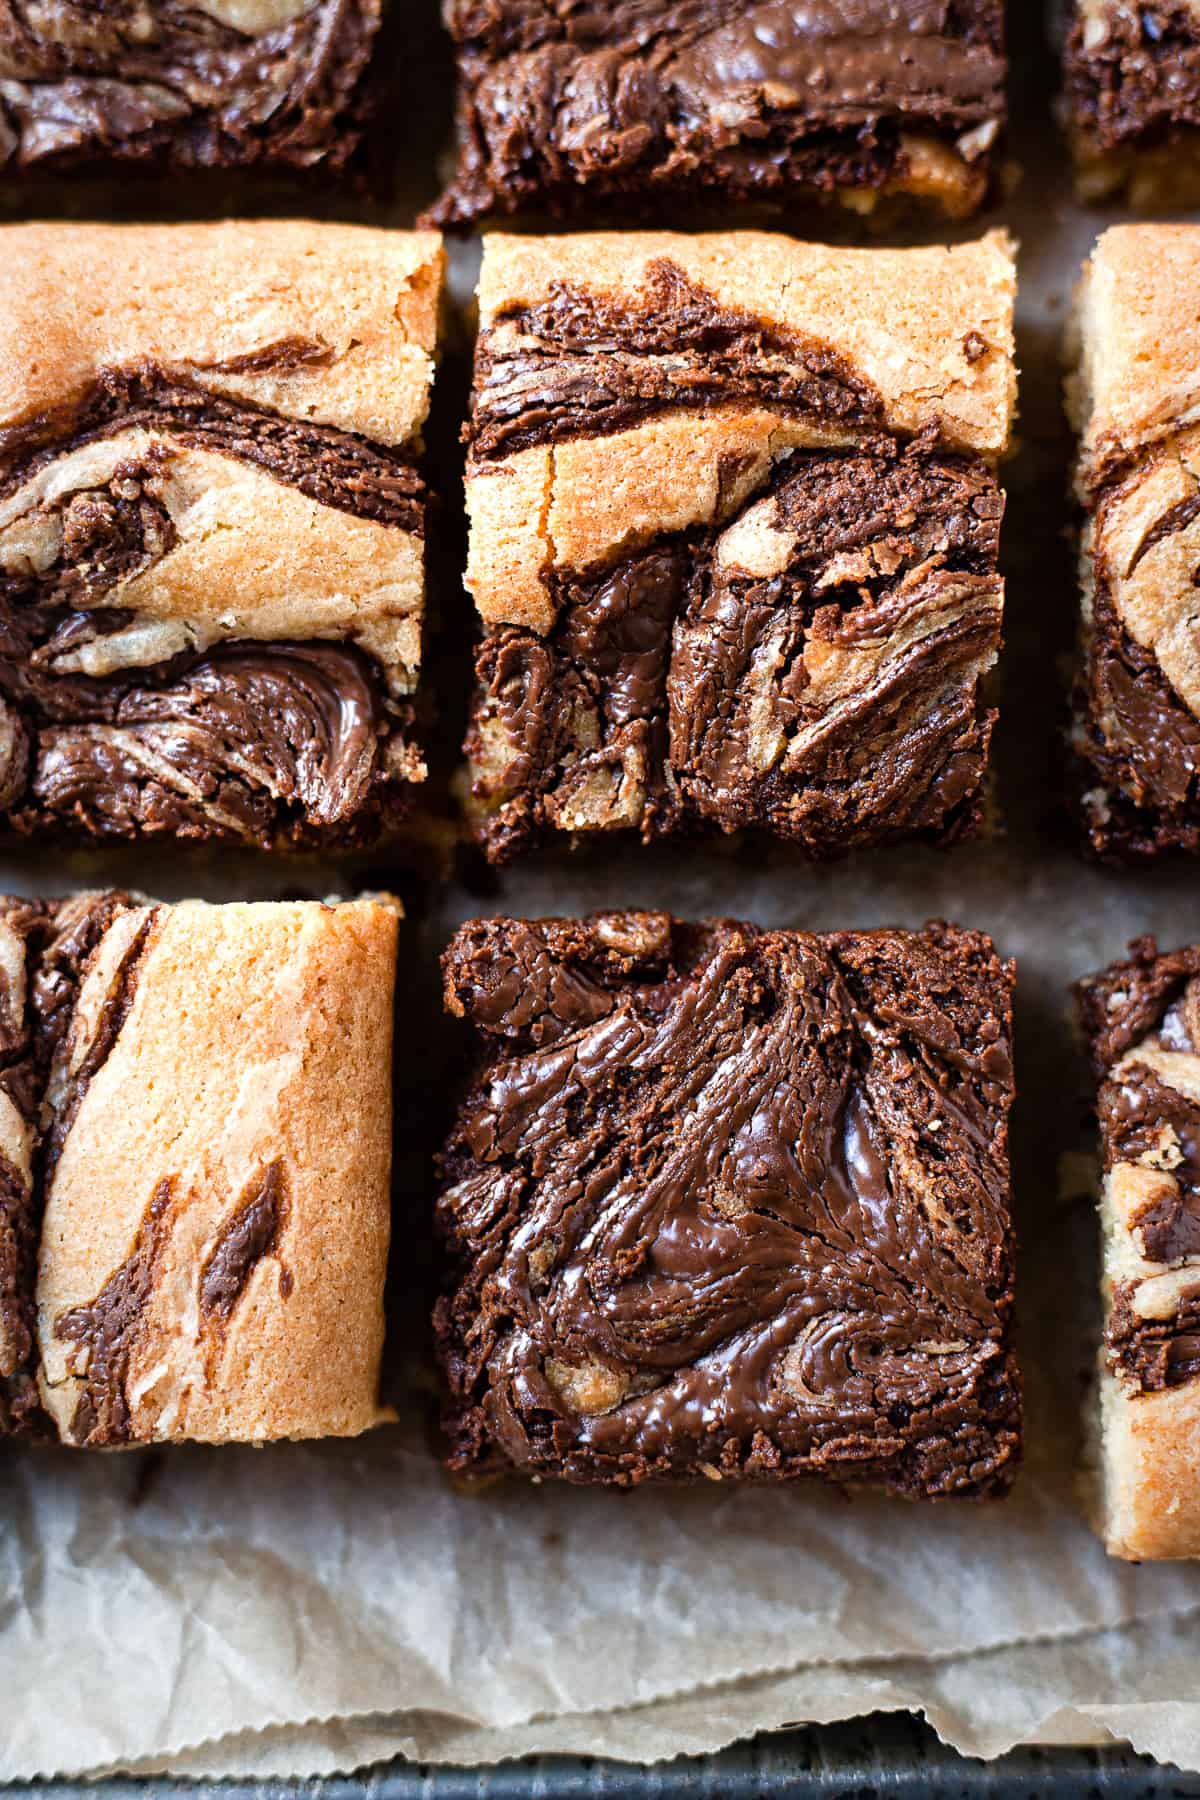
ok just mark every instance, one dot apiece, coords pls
pixel 106 1333
pixel 561 104
pixel 729 1202
pixel 332 467
pixel 257 742
pixel 48 945
pixel 254 743
pixel 583 364
pixel 833 697
pixel 1136 739
pixel 1136 1014
pixel 175 82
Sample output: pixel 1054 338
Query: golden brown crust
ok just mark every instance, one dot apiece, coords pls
pixel 224 1178
pixel 360 304
pixel 1135 343
pixel 1151 1450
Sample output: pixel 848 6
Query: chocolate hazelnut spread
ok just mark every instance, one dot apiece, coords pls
pixel 332 467
pixel 834 701
pixel 256 742
pixel 250 1233
pixel 50 945
pixel 1137 741
pixel 583 364
pixel 568 104
pixel 249 742
pixel 1133 1013
pixel 176 82
pixel 729 1202
pixel 105 1334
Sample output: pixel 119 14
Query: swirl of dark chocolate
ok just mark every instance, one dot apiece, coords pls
pixel 582 364
pixel 55 940
pixel 559 102
pixel 333 467
pixel 1136 740
pixel 174 83
pixel 248 742
pixel 258 743
pixel 1150 1001
pixel 728 1201
pixel 670 659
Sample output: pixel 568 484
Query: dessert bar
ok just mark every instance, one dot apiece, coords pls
pixel 1134 396
pixel 210 84
pixel 734 526
pixel 643 105
pixel 1131 100
pixel 1142 1019
pixel 212 529
pixel 730 1204
pixel 195 1104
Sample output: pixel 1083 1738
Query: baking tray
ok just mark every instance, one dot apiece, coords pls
pixel 886 1754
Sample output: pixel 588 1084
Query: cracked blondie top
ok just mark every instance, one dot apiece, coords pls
pixel 734 527
pixel 212 529
pixel 639 105
pixel 730 1203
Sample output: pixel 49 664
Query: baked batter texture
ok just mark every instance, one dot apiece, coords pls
pixel 195 1150
pixel 734 528
pixel 212 529
pixel 1142 1021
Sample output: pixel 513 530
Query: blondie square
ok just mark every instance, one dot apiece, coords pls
pixel 212 529
pixel 734 527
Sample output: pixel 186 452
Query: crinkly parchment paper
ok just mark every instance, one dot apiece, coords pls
pixel 306 1609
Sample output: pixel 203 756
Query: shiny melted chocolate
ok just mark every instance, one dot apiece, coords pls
pixel 559 104
pixel 723 1201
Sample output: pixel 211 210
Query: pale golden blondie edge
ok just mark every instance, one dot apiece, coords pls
pixel 195 1156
